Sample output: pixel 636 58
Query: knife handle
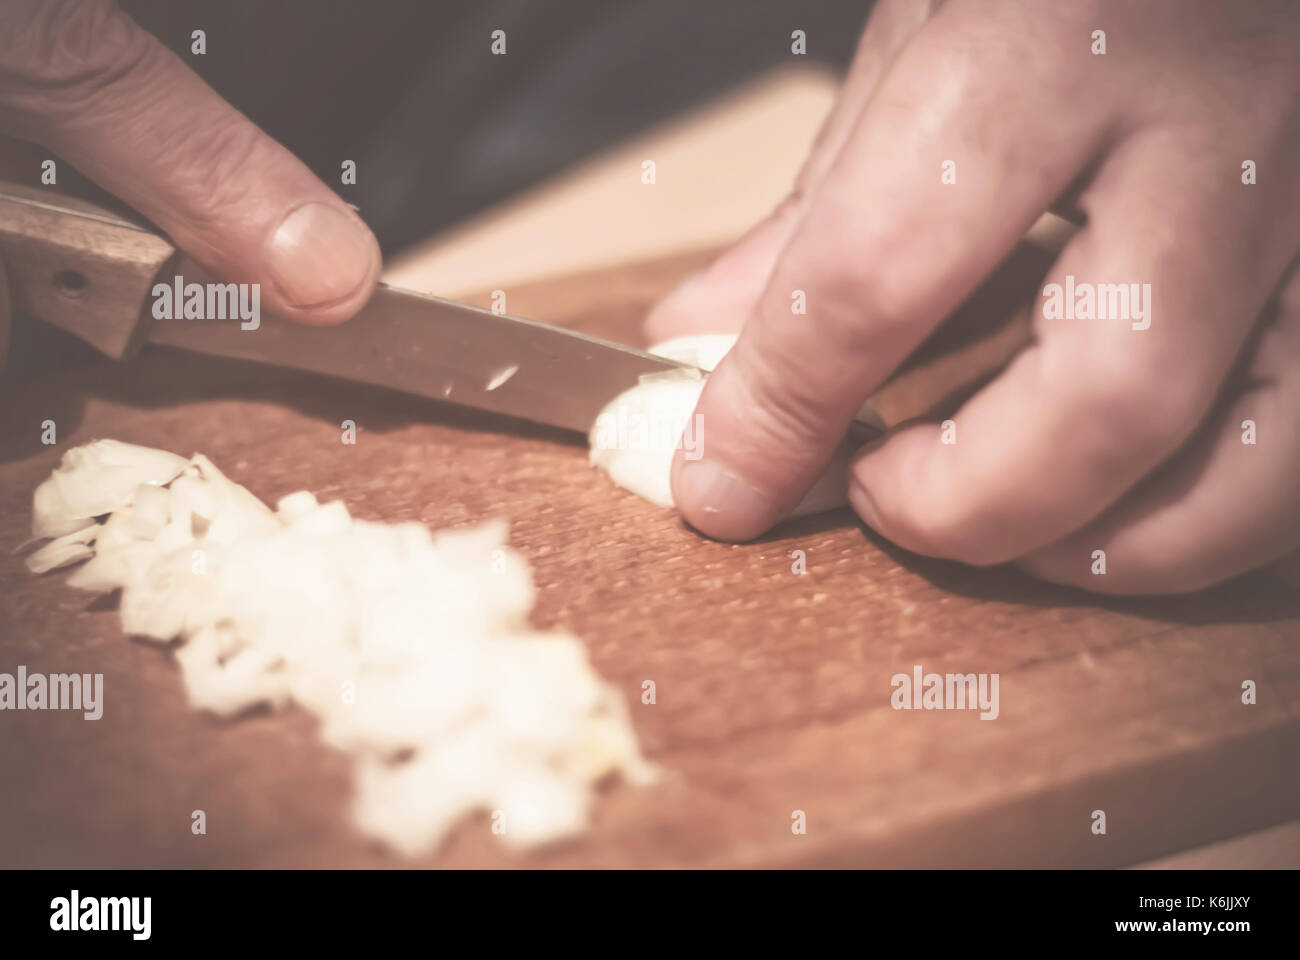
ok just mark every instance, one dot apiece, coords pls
pixel 79 266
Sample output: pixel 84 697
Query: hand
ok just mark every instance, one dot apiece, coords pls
pixel 1102 435
pixel 84 81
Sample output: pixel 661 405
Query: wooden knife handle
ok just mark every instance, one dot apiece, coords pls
pixel 79 266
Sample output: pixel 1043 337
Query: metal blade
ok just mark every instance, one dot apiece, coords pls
pixel 441 349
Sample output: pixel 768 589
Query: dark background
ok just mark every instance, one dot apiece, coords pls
pixel 438 126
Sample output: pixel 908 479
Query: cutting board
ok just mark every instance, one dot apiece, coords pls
pixel 772 686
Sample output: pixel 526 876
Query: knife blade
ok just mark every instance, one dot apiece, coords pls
pixel 444 350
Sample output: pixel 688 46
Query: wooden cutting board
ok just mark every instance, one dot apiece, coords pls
pixel 772 687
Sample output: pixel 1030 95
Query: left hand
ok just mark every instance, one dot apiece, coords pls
pixel 1097 437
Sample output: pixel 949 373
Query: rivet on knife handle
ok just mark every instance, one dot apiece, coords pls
pixel 79 267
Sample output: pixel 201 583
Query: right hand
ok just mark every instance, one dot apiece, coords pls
pixel 83 80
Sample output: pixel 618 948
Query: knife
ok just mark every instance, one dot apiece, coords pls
pixel 92 273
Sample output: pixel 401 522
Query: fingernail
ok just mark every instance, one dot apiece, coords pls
pixel 722 504
pixel 320 255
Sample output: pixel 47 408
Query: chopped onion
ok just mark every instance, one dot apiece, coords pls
pixel 414 650
pixel 95 479
pixel 61 551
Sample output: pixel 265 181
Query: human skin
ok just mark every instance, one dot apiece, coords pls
pixel 83 80
pixel 1097 436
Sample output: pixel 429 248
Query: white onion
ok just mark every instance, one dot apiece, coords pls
pixel 414 650
pixel 61 551
pixel 95 479
pixel 664 404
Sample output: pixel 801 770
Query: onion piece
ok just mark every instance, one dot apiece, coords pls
pixel 151 511
pixel 635 435
pixel 61 551
pixel 96 479
pixel 414 650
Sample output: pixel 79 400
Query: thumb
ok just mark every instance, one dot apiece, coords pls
pixel 85 81
pixel 885 251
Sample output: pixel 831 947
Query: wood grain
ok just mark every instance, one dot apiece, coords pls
pixel 773 688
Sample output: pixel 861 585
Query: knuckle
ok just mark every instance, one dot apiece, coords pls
pixel 864 288
pixel 853 316
pixel 786 417
pixel 777 418
pixel 884 294
pixel 1117 404
pixel 207 160
pixel 64 56
pixel 1132 410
